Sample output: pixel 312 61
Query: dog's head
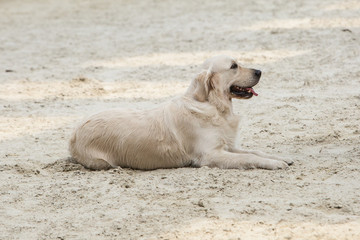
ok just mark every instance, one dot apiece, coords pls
pixel 225 76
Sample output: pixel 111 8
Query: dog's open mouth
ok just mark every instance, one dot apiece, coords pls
pixel 241 92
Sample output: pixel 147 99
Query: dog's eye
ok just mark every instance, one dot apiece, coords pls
pixel 234 66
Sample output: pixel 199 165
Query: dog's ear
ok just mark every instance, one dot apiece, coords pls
pixel 203 86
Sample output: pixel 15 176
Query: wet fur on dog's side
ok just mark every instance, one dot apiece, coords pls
pixel 196 129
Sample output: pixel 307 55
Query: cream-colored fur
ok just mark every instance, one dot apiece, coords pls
pixel 196 129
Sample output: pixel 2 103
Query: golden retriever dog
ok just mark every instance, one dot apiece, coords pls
pixel 197 129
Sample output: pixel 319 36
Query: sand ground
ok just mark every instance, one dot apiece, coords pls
pixel 63 60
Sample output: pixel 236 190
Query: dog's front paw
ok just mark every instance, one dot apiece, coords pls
pixel 288 161
pixel 275 164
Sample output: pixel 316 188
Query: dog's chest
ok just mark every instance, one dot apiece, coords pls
pixel 229 131
pixel 220 135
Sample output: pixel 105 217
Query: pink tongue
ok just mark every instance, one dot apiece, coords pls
pixel 252 90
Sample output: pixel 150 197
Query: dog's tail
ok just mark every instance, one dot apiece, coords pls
pixel 72 144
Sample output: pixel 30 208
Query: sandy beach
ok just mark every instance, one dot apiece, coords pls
pixel 61 61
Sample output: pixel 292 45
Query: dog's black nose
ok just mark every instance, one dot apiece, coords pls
pixel 257 73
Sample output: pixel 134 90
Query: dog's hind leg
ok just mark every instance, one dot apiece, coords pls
pixel 93 160
pixel 97 164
